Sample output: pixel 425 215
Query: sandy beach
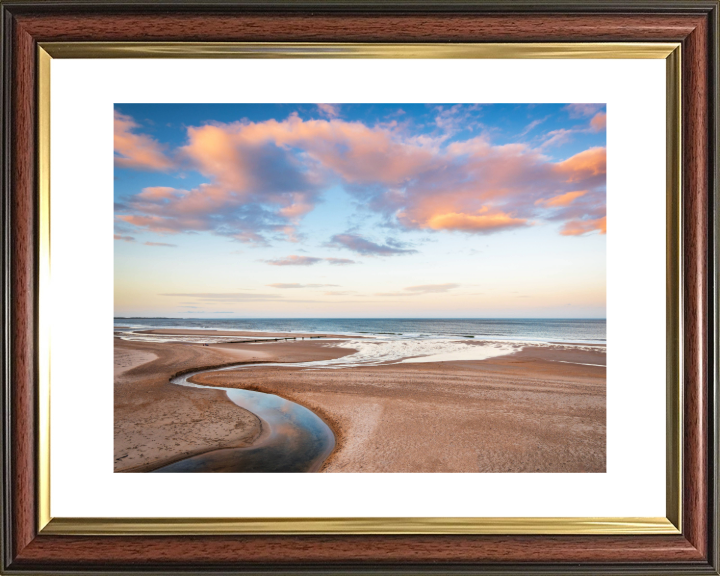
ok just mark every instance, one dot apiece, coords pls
pixel 157 423
pixel 541 409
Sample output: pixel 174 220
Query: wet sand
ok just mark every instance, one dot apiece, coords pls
pixel 538 410
pixel 158 423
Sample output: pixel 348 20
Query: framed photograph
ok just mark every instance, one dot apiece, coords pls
pixel 296 287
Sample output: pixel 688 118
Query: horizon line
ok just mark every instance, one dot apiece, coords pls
pixel 356 318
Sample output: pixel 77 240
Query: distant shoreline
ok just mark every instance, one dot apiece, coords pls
pixel 229 319
pixel 574 331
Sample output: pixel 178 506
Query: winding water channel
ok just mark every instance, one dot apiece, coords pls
pixel 293 439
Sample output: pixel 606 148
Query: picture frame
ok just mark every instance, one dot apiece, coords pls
pixel 682 33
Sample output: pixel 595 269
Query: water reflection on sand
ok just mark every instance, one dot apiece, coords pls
pixel 294 439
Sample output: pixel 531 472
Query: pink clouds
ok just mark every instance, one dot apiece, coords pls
pixel 161 244
pixel 563 135
pixel 154 223
pixel 598 121
pixel 484 189
pixel 588 165
pixel 348 149
pixel 563 199
pixel 160 193
pixel 264 177
pixel 474 222
pixel 557 137
pixel 431 288
pixel 137 151
pixel 580 227
pixel 580 110
pixel 329 110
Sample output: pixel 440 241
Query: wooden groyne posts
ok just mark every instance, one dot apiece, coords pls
pixel 272 339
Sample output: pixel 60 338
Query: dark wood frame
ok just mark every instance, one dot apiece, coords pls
pixel 694 23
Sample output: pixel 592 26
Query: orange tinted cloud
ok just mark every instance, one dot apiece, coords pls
pixel 584 165
pixel 138 151
pixel 432 288
pixel 486 189
pixel 159 193
pixel 580 227
pixel 347 148
pixel 598 121
pixel 163 244
pixel 474 222
pixel 563 199
pixel 153 223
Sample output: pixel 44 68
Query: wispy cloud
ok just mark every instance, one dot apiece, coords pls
pixel 292 286
pixel 365 247
pixel 534 124
pixel 160 244
pixel 226 296
pixel 563 135
pixel 421 289
pixel 557 137
pixel 124 238
pixel 582 110
pixel 209 312
pixel 294 260
pixel 431 288
pixel 453 119
pixel 339 261
pixel 329 110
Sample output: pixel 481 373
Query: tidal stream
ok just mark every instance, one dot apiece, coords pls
pixel 293 438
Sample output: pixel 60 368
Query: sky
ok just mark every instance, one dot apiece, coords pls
pixel 360 210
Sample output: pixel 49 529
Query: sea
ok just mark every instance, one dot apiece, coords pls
pixel 590 331
pixel 382 340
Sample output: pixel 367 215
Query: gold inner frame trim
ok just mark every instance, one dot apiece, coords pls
pixel 43 399
pixel 673 312
pixel 567 50
pixel 501 526
pixel 670 52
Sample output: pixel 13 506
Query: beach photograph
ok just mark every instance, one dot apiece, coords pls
pixel 360 288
